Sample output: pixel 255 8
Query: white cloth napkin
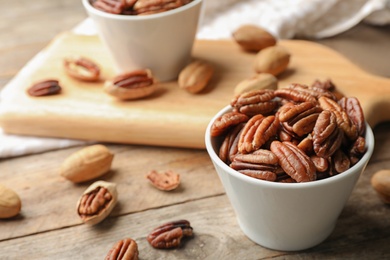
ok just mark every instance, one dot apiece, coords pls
pixel 283 18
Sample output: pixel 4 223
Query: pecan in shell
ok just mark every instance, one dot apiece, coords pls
pixel 131 85
pixel 81 68
pixel 169 235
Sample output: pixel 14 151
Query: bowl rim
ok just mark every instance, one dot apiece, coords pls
pixel 91 9
pixel 370 144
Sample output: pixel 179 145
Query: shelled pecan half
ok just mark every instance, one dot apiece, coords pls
pixel 294 162
pixel 227 121
pixel 255 102
pixel 125 249
pixel 44 88
pixel 81 68
pixel 169 235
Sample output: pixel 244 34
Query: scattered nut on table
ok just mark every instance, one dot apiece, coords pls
pixel 165 181
pixel 44 88
pixel 131 85
pixel 125 249
pixel 273 60
pixel 380 181
pixel 169 235
pixel 10 203
pixel 258 81
pixel 195 76
pixel 81 68
pixel 97 202
pixel 87 163
pixel 253 38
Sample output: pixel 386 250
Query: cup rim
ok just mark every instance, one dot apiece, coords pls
pixel 370 143
pixel 91 9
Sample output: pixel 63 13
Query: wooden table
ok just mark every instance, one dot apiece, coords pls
pixel 49 228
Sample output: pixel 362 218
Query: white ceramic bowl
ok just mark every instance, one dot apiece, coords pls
pixel 161 42
pixel 286 216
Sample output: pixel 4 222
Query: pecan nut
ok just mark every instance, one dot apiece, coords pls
pixel 44 88
pixel 125 249
pixel 165 181
pixel 97 202
pixel 355 112
pixel 257 82
pixel 229 146
pixel 256 132
pixel 294 162
pixel 261 164
pixel 169 235
pixel 142 7
pixel 81 68
pixel 253 38
pixel 131 85
pixel 343 120
pixel 227 121
pixel 255 102
pixel 327 137
pixel 109 6
pixel 195 76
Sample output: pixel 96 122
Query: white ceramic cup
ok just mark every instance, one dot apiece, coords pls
pixel 160 42
pixel 286 216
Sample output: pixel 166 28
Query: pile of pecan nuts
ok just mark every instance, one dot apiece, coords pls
pixel 295 134
pixel 137 7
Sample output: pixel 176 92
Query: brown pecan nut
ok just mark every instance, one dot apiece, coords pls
pixel 294 162
pixel 320 163
pixel 340 162
pixel 165 181
pixel 343 120
pixel 261 164
pixel 325 85
pixel 131 85
pixel 169 235
pixel 253 38
pixel 256 132
pixel 110 6
pixel 44 88
pixel 255 102
pixel 272 59
pixel 195 76
pixel 357 150
pixel 81 68
pixel 355 112
pixel 142 7
pixel 229 146
pixel 227 121
pixel 256 82
pixel 327 137
pixel 301 117
pixel 316 92
pixel 97 202
pixel 380 181
pixel 125 249
pixel 294 95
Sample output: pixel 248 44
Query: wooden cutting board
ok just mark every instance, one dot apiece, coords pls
pixel 170 117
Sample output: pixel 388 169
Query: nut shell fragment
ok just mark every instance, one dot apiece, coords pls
pixel 87 164
pixel 10 203
pixel 195 76
pixel 97 202
pixel 165 181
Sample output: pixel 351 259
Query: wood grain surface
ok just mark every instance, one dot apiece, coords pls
pixel 170 117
